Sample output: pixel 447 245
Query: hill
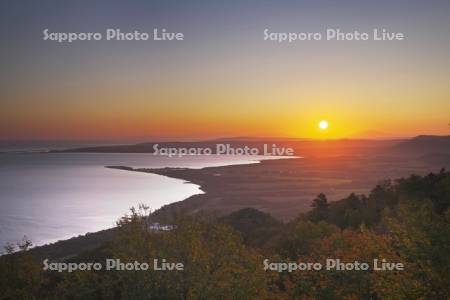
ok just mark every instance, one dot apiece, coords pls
pixel 423 145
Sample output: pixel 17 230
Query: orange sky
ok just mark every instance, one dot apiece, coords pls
pixel 224 80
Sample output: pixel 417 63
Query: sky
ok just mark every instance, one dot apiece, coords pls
pixel 223 79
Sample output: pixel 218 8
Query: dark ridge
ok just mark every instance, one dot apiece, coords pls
pixel 424 144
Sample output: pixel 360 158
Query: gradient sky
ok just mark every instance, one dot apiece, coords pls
pixel 223 79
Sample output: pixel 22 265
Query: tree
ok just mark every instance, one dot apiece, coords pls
pixel 320 202
pixel 320 208
pixel 21 275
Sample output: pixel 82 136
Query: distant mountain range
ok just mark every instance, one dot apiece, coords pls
pixel 424 145
pixel 417 146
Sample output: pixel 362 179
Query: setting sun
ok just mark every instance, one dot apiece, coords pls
pixel 323 124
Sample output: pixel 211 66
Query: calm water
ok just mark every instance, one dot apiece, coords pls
pixel 49 197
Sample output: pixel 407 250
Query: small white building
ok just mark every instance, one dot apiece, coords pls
pixel 160 227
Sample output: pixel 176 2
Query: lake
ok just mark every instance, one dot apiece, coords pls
pixel 54 196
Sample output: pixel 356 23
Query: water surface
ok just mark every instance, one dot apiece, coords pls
pixel 54 196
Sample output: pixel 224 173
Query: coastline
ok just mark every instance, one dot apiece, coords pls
pixel 159 191
pixel 65 248
pixel 193 201
pixel 283 187
pixel 214 182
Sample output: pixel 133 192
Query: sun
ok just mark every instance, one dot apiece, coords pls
pixel 323 124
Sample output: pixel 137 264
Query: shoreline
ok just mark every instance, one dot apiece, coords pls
pixel 106 234
pixel 159 203
pixel 199 177
pixel 284 188
pixel 170 172
pixel 158 171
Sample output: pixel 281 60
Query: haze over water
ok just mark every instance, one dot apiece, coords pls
pixel 54 196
